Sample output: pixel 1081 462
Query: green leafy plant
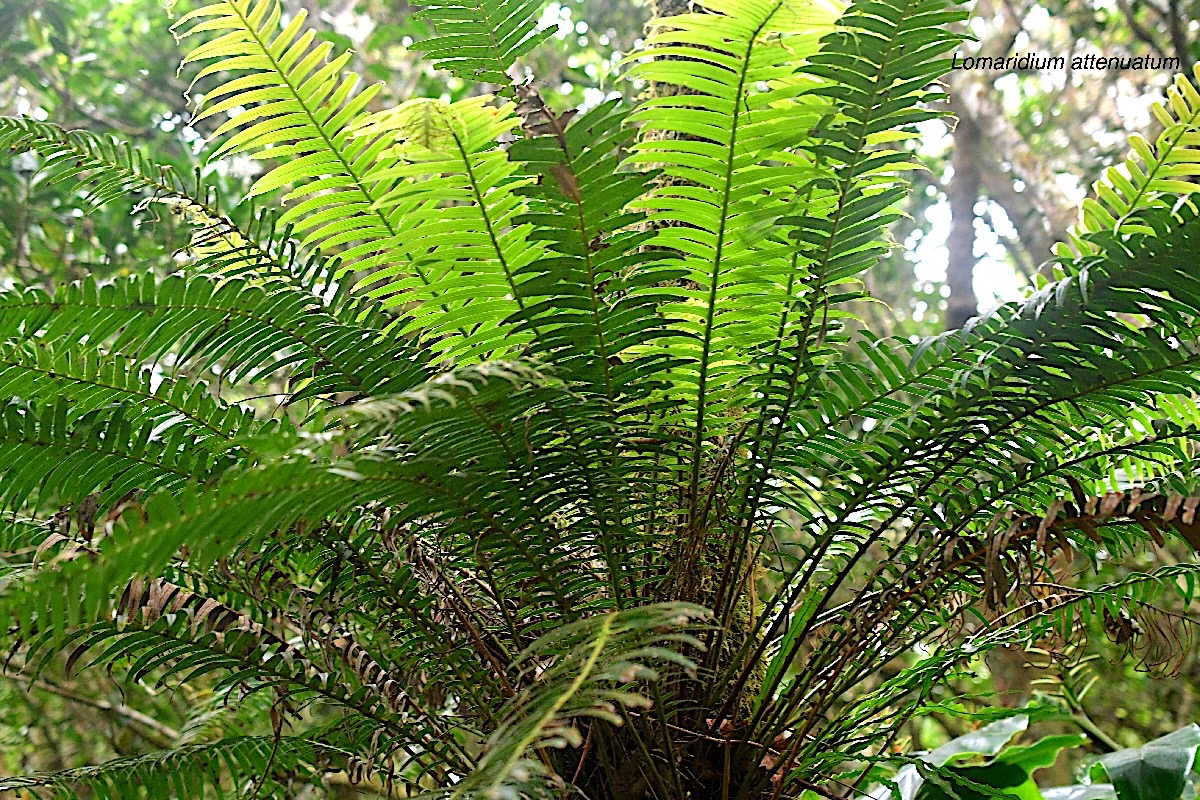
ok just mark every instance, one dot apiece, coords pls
pixel 525 453
pixel 1159 770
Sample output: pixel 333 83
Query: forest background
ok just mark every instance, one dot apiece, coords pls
pixel 1003 184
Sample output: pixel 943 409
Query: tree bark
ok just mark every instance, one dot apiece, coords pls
pixel 1041 213
pixel 1032 226
pixel 670 8
pixel 963 192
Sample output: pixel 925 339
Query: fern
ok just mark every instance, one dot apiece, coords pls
pixel 350 190
pixel 1152 174
pixel 481 41
pixel 590 664
pixel 465 239
pixel 526 452
pixel 184 772
pixel 612 273
pixel 221 321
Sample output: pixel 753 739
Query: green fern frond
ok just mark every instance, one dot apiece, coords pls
pixel 828 195
pixel 20 534
pixel 187 771
pixel 353 191
pixel 712 142
pixel 526 546
pixel 845 99
pixel 875 72
pixel 591 667
pixel 480 41
pixel 105 170
pixel 1018 381
pixel 1152 175
pixel 159 629
pixel 1073 327
pixel 591 296
pixel 459 193
pixel 90 381
pixel 253 330
pixel 293 102
pixel 54 452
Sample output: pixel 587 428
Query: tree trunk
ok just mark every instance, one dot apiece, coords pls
pixel 963 192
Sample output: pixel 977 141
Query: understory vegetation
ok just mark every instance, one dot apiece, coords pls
pixel 519 453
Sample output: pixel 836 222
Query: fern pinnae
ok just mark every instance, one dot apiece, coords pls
pixel 467 232
pixel 596 659
pixel 92 382
pixel 710 314
pixel 845 50
pixel 900 462
pixel 312 121
pixel 590 248
pixel 219 243
pixel 960 452
pixel 1150 175
pixel 722 78
pixel 399 603
pixel 105 171
pixel 866 181
pixel 218 320
pixel 598 341
pixel 558 134
pixel 100 451
pixel 481 40
pixel 184 771
pixel 1014 490
pixel 191 636
pixel 285 493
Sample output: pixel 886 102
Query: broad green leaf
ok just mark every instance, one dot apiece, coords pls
pixel 1156 771
pixel 1042 753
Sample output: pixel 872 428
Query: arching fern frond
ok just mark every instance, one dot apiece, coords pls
pixel 90 381
pixel 187 771
pixel 460 226
pixel 353 194
pixel 161 630
pixel 252 329
pixel 1152 175
pixel 293 102
pixel 1042 378
pixel 105 170
pixel 875 72
pixel 50 451
pixel 594 256
pixel 712 141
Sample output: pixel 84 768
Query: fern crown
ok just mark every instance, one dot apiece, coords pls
pixel 503 450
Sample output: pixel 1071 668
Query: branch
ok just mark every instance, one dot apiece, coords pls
pixel 161 735
pixel 1179 38
pixel 1138 29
